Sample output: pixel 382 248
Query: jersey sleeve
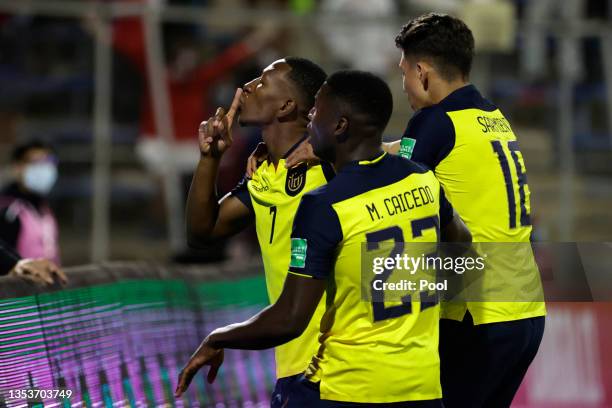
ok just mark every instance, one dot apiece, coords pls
pixel 241 192
pixel 446 210
pixel 434 136
pixel 328 171
pixel 315 237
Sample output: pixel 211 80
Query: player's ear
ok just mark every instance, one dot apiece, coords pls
pixel 341 131
pixel 288 112
pixel 423 74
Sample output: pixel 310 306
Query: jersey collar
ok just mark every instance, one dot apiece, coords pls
pixel 269 161
pixel 462 93
pixel 295 146
pixel 360 164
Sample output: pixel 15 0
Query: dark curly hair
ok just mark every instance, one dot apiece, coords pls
pixel 307 77
pixel 363 93
pixel 443 39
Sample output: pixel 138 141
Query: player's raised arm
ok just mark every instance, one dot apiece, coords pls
pixel 206 217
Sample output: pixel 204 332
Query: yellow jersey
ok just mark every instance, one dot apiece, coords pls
pixel 371 350
pixel 273 194
pixel 474 153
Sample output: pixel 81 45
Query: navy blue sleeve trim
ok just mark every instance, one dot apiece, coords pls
pixel 434 134
pixel 317 226
pixel 446 210
pixel 241 192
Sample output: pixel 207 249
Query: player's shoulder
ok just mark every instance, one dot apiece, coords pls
pixel 320 196
pixel 429 115
pixel 356 179
pixel 467 97
pixel 401 165
pixel 428 120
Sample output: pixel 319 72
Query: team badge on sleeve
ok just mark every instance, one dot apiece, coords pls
pixel 298 252
pixel 407 147
pixel 296 179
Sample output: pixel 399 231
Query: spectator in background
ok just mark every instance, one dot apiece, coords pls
pixel 364 46
pixel 189 75
pixel 27 224
pixel 194 65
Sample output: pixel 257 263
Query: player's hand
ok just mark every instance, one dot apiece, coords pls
pixel 215 134
pixel 39 271
pixel 204 355
pixel 256 158
pixel 302 154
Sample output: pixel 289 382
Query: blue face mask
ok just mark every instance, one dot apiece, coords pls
pixel 40 178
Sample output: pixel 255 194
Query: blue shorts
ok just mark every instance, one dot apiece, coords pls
pixel 303 393
pixel 483 365
pixel 279 395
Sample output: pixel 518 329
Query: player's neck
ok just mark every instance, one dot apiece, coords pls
pixel 444 88
pixel 280 137
pixel 362 152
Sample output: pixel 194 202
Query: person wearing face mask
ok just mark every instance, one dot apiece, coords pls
pixel 27 224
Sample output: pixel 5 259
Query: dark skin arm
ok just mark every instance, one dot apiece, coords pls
pixel 458 235
pixel 207 218
pixel 456 231
pixel 275 325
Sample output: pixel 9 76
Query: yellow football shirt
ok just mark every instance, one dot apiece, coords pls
pixel 475 156
pixel 273 194
pixel 371 351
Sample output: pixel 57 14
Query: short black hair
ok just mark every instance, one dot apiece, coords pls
pixel 21 150
pixel 445 39
pixel 364 93
pixel 308 78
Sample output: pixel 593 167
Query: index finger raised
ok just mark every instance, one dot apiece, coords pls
pixel 231 113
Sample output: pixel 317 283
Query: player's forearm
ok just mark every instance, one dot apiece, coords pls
pixel 269 328
pixel 202 203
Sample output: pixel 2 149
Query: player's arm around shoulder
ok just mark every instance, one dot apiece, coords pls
pixel 452 227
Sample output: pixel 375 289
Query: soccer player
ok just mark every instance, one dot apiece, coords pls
pixel 485 346
pixel 278 102
pixel 370 352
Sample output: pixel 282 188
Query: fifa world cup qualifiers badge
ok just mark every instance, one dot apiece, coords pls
pixel 406 147
pixel 298 252
pixel 296 179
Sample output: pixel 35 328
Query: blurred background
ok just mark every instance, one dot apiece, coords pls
pixel 119 89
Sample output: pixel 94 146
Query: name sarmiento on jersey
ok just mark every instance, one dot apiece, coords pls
pixel 494 124
pixel 400 203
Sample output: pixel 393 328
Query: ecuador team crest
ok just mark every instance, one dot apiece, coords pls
pixel 296 179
